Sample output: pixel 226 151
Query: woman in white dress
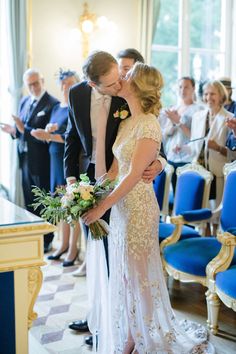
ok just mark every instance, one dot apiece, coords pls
pixel 140 318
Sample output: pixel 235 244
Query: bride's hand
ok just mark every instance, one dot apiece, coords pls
pixel 93 215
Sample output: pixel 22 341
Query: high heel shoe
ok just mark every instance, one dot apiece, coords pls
pixel 70 263
pixel 56 257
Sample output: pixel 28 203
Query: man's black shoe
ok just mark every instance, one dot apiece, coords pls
pixel 47 247
pixel 80 326
pixel 89 340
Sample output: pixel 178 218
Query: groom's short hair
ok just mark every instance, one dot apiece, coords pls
pixel 98 64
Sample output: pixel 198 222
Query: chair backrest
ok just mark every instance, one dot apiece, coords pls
pixel 228 212
pixel 192 188
pixel 161 187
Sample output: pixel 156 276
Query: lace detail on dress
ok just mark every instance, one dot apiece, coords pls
pixel 138 297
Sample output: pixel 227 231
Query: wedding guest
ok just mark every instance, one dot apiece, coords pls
pixel 230 104
pixel 229 150
pixel 139 317
pixel 127 58
pixel 34 112
pixel 210 129
pixel 54 134
pixel 91 131
pixel 177 128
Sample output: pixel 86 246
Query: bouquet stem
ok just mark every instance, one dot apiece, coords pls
pixel 98 230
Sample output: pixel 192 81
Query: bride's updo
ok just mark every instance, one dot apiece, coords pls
pixel 147 83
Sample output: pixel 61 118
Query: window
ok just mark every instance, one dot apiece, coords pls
pixel 5 102
pixel 192 37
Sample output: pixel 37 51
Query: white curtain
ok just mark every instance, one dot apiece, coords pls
pixel 149 10
pixel 17 31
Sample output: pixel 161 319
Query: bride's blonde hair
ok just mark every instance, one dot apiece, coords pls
pixel 147 83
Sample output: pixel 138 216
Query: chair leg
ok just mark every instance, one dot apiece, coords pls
pixel 213 306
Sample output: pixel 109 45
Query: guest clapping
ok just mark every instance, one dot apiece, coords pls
pixel 54 134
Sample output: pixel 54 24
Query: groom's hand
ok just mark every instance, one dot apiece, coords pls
pixel 152 171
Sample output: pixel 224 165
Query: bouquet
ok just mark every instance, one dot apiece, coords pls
pixel 68 203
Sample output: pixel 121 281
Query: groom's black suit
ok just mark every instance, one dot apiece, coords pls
pixel 78 138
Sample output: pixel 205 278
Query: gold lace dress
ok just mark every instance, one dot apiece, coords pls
pixel 137 297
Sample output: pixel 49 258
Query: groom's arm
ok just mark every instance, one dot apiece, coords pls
pixel 72 146
pixel 156 167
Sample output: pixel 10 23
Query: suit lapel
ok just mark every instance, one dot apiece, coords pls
pixel 41 106
pixel 112 122
pixel 82 104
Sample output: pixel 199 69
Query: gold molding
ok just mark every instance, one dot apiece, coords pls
pixel 35 279
pixel 21 230
pixel 184 277
pixel 29 33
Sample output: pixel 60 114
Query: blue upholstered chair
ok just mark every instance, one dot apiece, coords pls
pixel 161 187
pixel 191 196
pixel 221 271
pixel 186 260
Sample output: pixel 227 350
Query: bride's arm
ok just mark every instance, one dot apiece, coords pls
pixel 144 153
pixel 113 171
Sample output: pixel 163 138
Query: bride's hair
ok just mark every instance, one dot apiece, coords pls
pixel 147 82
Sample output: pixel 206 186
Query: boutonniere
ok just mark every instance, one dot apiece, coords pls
pixel 122 112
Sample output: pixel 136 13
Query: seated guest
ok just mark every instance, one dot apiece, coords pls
pixel 230 149
pixel 34 112
pixel 208 133
pixel 54 134
pixel 229 105
pixel 176 124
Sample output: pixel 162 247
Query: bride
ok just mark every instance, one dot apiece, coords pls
pixel 140 319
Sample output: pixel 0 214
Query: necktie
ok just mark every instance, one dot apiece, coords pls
pixel 100 156
pixel 30 110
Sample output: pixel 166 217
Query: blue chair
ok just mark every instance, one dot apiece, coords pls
pixel 191 195
pixel 221 271
pixel 161 187
pixel 186 260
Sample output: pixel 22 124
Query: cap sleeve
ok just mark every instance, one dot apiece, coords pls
pixel 149 128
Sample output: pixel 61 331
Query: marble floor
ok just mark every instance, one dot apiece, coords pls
pixel 63 299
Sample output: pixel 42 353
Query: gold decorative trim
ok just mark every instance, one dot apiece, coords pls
pixel 184 277
pixel 13 268
pixel 226 299
pixel 222 261
pixel 20 230
pixel 35 279
pixel 213 306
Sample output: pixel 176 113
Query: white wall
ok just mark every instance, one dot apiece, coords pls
pixel 55 45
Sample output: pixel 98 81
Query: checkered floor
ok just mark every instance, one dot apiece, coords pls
pixel 62 299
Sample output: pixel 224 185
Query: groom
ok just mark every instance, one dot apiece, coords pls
pixel 87 103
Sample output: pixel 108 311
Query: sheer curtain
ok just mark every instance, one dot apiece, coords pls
pixel 17 28
pixel 149 10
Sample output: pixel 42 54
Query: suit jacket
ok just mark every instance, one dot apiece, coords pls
pixel 217 132
pixel 37 151
pixel 78 137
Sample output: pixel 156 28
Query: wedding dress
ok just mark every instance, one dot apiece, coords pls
pixel 137 296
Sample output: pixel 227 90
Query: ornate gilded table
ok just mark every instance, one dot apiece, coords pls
pixel 21 255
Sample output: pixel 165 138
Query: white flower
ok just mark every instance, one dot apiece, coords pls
pixel 72 188
pixel 66 199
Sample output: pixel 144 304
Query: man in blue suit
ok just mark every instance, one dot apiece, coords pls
pixel 34 112
pixel 85 101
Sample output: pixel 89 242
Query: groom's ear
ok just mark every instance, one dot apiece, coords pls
pixel 92 84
